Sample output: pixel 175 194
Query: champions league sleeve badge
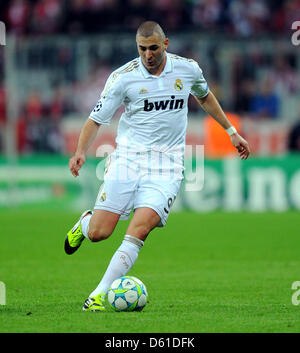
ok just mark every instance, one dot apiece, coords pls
pixel 98 106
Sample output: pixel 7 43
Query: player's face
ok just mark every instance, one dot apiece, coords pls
pixel 152 51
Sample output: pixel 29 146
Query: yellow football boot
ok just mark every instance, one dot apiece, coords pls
pixel 95 303
pixel 75 237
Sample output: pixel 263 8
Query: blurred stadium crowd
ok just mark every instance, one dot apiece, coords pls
pixel 261 82
pixel 239 17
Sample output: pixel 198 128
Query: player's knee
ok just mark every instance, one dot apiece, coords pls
pixel 141 231
pixel 99 234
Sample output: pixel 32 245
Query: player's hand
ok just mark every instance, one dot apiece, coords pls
pixel 76 162
pixel 241 145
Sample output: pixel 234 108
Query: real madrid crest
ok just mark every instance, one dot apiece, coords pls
pixel 103 197
pixel 178 84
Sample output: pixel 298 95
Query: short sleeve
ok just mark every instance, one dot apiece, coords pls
pixel 110 99
pixel 200 87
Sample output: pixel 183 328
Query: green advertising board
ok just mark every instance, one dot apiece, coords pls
pixel 257 184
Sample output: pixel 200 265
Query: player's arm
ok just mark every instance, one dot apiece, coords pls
pixel 86 137
pixel 210 104
pixel 111 98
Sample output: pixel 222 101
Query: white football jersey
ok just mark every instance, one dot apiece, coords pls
pixel 156 107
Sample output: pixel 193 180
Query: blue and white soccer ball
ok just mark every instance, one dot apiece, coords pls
pixel 127 293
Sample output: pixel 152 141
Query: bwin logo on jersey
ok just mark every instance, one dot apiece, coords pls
pixel 163 105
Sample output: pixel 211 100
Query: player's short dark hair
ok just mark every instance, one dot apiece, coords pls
pixel 148 28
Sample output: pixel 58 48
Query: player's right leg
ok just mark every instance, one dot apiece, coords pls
pixel 75 235
pixel 143 221
pixel 95 226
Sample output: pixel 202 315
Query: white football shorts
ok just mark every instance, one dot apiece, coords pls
pixel 135 182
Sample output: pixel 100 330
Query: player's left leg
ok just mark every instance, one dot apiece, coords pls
pixel 143 221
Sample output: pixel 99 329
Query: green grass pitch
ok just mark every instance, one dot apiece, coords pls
pixel 215 272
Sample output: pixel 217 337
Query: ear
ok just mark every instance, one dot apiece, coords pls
pixel 166 43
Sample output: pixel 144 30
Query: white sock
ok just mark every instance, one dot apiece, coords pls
pixel 85 225
pixel 120 264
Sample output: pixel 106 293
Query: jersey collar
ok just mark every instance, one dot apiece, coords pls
pixel 168 68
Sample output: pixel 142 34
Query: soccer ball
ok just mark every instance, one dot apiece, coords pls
pixel 127 293
pixel 144 296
